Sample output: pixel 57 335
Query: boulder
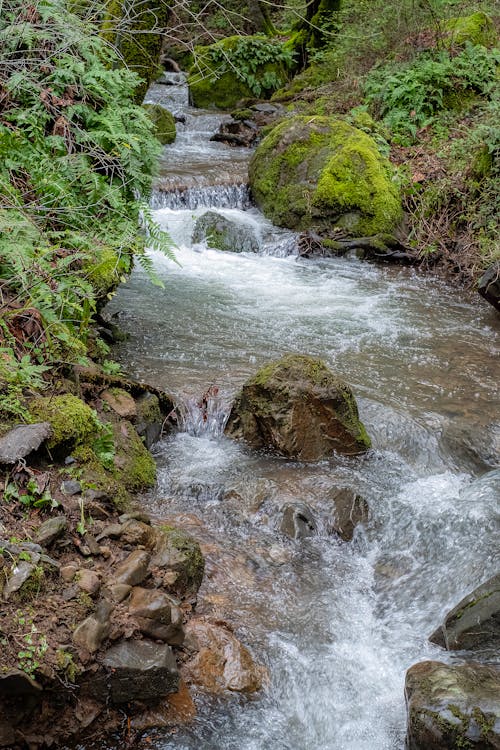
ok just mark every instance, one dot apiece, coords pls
pixel 299 408
pixel 72 420
pixel 349 510
pixel 157 615
pixel 221 662
pixel 478 28
pixel 134 569
pixel 453 706
pixel 215 80
pixel 489 285
pixel 163 121
pixel 221 233
pixel 23 440
pixel 237 133
pixel 475 621
pixel 93 631
pixel 137 670
pixel 297 521
pixel 322 173
pixel 181 556
pixel 120 402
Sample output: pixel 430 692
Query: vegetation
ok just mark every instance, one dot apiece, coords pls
pixel 76 161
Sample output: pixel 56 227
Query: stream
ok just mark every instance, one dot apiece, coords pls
pixel 337 624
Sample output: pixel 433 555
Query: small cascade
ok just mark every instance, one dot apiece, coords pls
pixel 205 416
pixel 207 196
pixel 170 91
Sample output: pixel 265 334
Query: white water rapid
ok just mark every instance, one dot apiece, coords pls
pixel 336 623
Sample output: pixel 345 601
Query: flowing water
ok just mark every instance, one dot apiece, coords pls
pixel 336 623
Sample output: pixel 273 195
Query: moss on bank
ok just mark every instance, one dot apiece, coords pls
pixel 72 421
pixel 163 121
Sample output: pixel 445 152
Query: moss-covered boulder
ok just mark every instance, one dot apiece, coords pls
pixel 299 408
pixel 453 706
pixel 163 121
pixel 237 68
pixel 221 233
pixel 323 173
pixel 478 28
pixel 73 422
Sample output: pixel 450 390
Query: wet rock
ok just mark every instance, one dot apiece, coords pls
pixel 222 662
pixel 93 631
pixel 453 706
pixel 138 670
pixel 88 581
pixel 177 708
pixel 236 133
pixel 149 419
pixel 51 530
pixel 120 402
pixel 180 554
pixel 349 510
pixel 157 615
pixel 298 521
pixel 23 440
pixel 475 621
pixel 20 574
pixel 16 683
pixel 136 515
pixel 134 569
pixel 71 487
pixel 489 285
pixel 222 233
pixel 299 408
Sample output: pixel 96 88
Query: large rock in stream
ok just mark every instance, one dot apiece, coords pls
pixel 221 233
pixel 453 706
pixel 475 621
pixel 299 408
pixel 321 173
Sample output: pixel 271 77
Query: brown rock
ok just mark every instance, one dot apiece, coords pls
pixel 134 569
pixel 157 615
pixel 136 532
pixel 121 402
pixel 176 708
pixel 222 662
pixel 349 510
pixel 299 408
pixel 88 581
pixel 93 631
pixel 118 592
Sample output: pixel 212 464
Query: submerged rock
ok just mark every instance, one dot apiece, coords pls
pixel 350 509
pixel 474 622
pixel 298 521
pixel 299 408
pixel 221 662
pixel 453 706
pixel 221 233
pixel 323 173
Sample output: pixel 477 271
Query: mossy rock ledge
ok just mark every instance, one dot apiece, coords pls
pixel 322 173
pixel 300 409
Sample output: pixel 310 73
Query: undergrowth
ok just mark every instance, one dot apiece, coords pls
pixel 77 158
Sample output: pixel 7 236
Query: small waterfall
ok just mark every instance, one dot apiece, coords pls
pixel 205 416
pixel 208 196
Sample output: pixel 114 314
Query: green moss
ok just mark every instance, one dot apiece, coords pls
pixel 72 421
pixel 323 173
pixel 33 586
pixel 133 467
pixel 163 121
pixel 477 28
pixel 106 269
pixel 221 79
